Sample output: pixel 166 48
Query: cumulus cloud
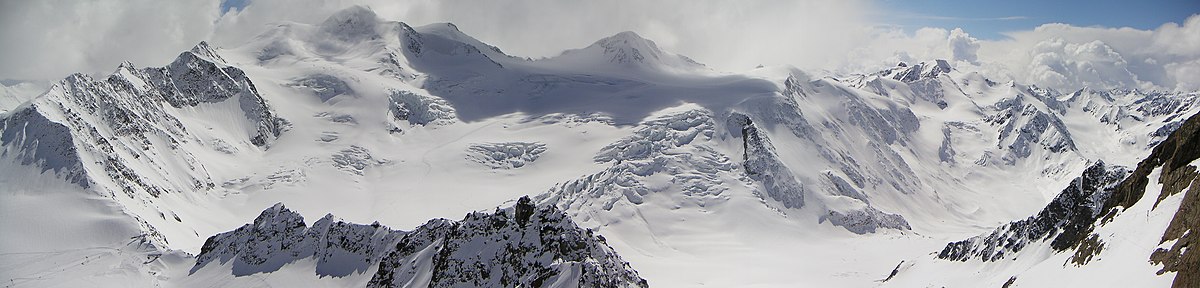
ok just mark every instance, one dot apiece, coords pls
pixel 50 39
pixel 1060 64
pixel 1058 56
pixel 888 46
pixel 962 46
pixel 53 38
pixel 1068 57
pixel 1185 75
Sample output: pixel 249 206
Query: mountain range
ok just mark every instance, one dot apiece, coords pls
pixel 619 164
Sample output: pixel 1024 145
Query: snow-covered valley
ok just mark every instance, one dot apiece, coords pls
pixel 641 167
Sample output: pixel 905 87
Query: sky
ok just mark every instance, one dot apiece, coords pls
pixel 991 19
pixel 1063 45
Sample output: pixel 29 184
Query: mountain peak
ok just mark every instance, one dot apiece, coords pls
pixel 628 49
pixel 354 22
pixel 905 72
pixel 627 36
pixel 205 51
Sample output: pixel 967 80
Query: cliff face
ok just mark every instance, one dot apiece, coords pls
pixel 1177 156
pixel 279 236
pixel 133 124
pixel 1100 195
pixel 524 245
pixel 521 246
pixel 1065 220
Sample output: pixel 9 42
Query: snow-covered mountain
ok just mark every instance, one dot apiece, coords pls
pixel 523 245
pixel 768 177
pixel 1109 221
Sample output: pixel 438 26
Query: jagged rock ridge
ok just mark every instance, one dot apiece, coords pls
pixel 134 116
pixel 279 236
pixel 523 245
pixel 1065 219
pixel 1101 194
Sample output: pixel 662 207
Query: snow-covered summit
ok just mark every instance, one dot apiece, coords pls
pixel 141 133
pixel 697 178
pixel 353 23
pixel 203 50
pixel 450 31
pixel 628 50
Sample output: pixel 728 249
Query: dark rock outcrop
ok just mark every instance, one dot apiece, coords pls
pixel 1067 219
pixel 1098 197
pixel 279 236
pixel 522 246
pixel 526 245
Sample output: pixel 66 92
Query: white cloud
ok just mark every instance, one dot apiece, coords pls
pixel 1058 56
pixel 1068 57
pixel 49 39
pixel 53 38
pixel 962 46
pixel 733 35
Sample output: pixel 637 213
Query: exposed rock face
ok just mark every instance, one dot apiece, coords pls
pixel 763 165
pixel 35 140
pixel 1176 155
pixel 1024 126
pixel 279 236
pixel 522 246
pixel 1101 194
pixel 1067 219
pixel 130 121
pixel 911 73
pixel 867 220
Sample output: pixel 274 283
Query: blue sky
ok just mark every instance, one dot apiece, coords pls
pixel 989 19
pixel 232 4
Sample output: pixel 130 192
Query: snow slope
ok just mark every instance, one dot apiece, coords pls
pixel 1105 229
pixel 766 178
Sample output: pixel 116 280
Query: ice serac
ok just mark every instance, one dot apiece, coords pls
pixel 678 145
pixel 408 109
pixel 505 155
pixel 525 245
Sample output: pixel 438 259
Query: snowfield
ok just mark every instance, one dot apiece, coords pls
pixel 641 167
